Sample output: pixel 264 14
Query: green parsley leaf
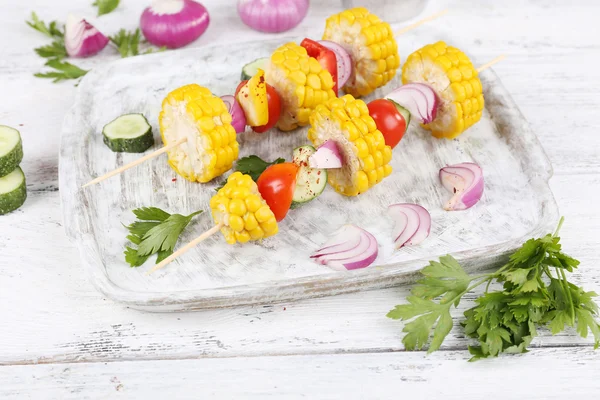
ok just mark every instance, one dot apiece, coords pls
pixel 156 231
pixel 164 236
pixel 106 6
pixel 151 214
pixel 55 50
pixel 128 43
pixel 133 258
pixel 504 320
pixel 254 165
pixel 64 71
pixel 51 30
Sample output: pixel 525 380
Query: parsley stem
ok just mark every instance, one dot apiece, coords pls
pixel 560 222
pixel 565 284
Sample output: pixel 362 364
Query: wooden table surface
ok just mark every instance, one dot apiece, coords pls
pixel 60 338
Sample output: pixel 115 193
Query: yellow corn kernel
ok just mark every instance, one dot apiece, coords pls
pixel 237 207
pixel 195 106
pixel 257 233
pixel 250 222
pixel 242 236
pixel 253 203
pixel 236 223
pixel 263 214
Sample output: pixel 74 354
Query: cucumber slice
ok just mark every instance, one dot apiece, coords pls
pixel 129 133
pixel 310 182
pixel 12 191
pixel 11 149
pixel 250 69
pixel 405 113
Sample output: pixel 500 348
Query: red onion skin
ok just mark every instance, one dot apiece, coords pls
pixel 272 16
pixel 175 30
pixel 405 96
pixel 237 114
pixel 344 60
pixel 467 197
pixel 90 46
pixel 340 254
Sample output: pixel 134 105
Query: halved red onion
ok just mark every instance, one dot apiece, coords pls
pixel 412 224
pixel 349 248
pixel 238 118
pixel 82 39
pixel 343 59
pixel 327 156
pixel 174 23
pixel 420 99
pixel 465 181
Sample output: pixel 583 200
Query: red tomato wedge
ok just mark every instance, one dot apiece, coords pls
pixel 389 121
pixel 325 57
pixel 276 185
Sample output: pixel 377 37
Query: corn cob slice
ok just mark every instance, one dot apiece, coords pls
pixel 371 44
pixel 365 155
pixel 301 83
pixel 193 112
pixel 450 72
pixel 242 210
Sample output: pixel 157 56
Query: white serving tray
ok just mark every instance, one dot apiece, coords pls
pixel 517 203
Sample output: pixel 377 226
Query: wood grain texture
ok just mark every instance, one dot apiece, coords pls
pixel 50 313
pixel 543 374
pixel 216 274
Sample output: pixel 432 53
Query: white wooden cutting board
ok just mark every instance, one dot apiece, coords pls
pixel 517 203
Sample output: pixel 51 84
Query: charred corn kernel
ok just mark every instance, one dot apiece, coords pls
pixel 253 99
pixel 301 83
pixel 450 72
pixel 239 207
pixel 346 121
pixel 194 113
pixel 371 44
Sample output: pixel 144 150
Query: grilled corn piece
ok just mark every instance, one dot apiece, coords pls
pixel 365 155
pixel 301 83
pixel 244 213
pixel 450 72
pixel 193 112
pixel 371 44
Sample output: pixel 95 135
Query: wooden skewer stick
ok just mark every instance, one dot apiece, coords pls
pixel 136 162
pixel 187 247
pixel 421 22
pixel 494 61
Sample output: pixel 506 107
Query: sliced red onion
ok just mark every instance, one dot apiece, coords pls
pixel 419 99
pixel 465 181
pixel 238 118
pixel 343 59
pixel 412 224
pixel 272 16
pixel 174 23
pixel 82 39
pixel 349 248
pixel 327 156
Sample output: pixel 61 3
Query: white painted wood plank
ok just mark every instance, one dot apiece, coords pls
pixel 543 374
pixel 52 314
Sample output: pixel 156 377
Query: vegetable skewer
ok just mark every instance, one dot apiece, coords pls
pixel 240 213
pixel 204 122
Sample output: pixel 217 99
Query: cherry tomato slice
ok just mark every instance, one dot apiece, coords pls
pixel 276 185
pixel 274 110
pixel 388 120
pixel 274 107
pixel 325 57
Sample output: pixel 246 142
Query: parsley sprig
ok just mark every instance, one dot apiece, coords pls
pixel 535 293
pixel 155 232
pixel 128 43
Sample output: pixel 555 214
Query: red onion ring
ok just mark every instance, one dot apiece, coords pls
pixel 419 99
pixel 465 181
pixel 238 118
pixel 349 248
pixel 412 224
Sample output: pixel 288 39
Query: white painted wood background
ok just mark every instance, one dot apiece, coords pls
pixel 59 338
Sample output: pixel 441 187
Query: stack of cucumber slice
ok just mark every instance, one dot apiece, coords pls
pixel 13 190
